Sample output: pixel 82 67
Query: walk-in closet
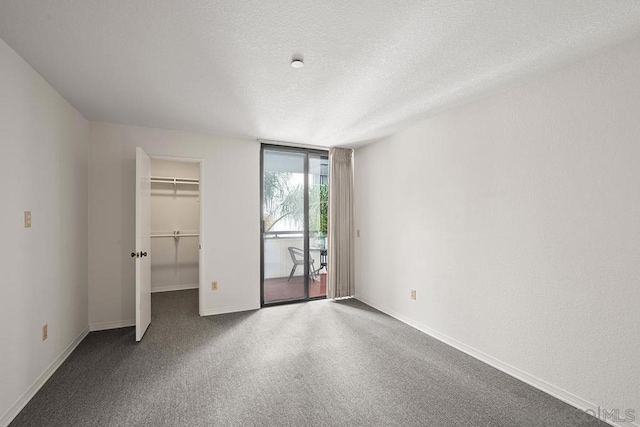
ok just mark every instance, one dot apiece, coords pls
pixel 175 225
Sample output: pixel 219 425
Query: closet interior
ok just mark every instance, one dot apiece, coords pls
pixel 175 225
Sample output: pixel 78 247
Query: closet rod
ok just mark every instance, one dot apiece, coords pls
pixel 176 235
pixel 172 180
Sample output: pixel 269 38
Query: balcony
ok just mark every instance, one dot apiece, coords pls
pixel 278 264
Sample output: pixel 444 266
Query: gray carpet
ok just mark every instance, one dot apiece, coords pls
pixel 310 364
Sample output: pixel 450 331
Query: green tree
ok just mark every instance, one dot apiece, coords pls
pixel 319 209
pixel 285 200
pixel 282 199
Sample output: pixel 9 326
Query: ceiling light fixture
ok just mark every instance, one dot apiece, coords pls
pixel 297 63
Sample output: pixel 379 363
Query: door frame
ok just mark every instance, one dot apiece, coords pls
pixel 200 161
pixel 306 152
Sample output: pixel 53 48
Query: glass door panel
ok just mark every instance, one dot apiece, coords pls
pixel 318 180
pixel 285 263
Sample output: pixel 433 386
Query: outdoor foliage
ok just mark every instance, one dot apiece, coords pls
pixel 284 200
pixel 319 209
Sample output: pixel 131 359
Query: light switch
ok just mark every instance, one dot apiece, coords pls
pixel 27 219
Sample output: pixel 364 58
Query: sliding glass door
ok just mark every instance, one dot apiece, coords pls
pixel 294 224
pixel 318 190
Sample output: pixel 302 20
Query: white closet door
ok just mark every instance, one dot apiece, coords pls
pixel 143 242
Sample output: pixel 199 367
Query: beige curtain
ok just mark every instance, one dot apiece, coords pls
pixel 341 278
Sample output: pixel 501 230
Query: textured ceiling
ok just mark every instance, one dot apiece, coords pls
pixel 372 66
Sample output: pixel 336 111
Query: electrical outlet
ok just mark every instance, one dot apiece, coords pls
pixel 413 294
pixel 214 286
pixel 44 331
pixel 27 219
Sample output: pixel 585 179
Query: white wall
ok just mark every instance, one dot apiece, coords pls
pixel 230 235
pixel 517 220
pixel 44 144
pixel 174 262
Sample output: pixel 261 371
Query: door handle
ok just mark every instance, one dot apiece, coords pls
pixel 143 254
pixel 135 255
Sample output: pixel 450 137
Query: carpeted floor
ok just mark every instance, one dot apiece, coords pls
pixel 310 364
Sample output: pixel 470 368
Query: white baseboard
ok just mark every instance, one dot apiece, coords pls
pixel 542 385
pixel 230 309
pixel 101 326
pixel 173 288
pixel 39 382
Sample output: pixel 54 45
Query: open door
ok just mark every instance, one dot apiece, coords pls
pixel 143 242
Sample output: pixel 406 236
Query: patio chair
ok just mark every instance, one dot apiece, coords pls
pixel 297 256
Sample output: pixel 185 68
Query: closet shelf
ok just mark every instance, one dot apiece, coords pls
pixel 174 181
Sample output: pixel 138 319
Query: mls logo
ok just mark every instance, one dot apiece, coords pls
pixel 614 415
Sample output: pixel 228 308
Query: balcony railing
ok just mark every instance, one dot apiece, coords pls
pixel 277 260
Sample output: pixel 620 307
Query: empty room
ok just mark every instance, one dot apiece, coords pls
pixel 320 213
